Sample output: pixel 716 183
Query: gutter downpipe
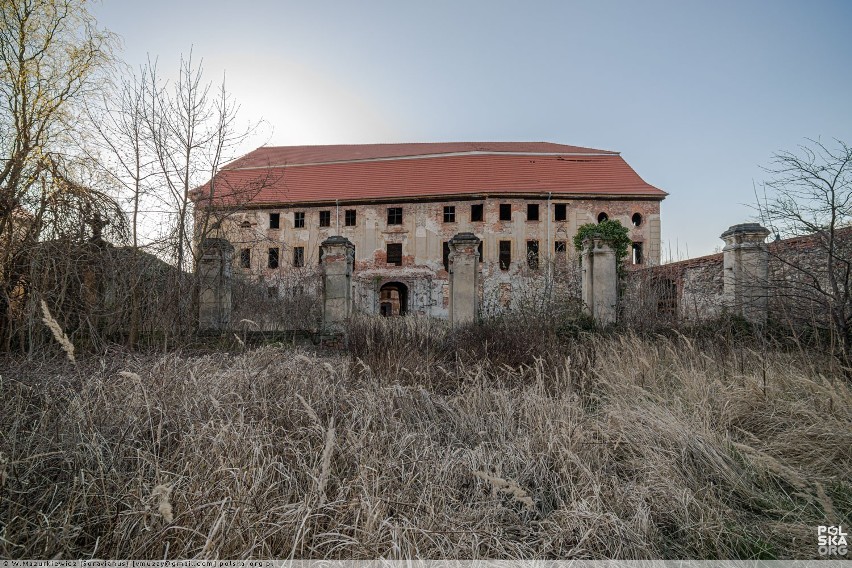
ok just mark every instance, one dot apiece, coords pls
pixel 549 246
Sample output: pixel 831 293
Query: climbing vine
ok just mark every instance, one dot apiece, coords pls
pixel 611 231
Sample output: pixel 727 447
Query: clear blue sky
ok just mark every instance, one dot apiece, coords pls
pixel 696 95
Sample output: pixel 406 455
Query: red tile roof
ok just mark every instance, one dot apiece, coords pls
pixel 299 174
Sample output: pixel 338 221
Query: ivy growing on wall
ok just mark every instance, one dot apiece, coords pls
pixel 611 231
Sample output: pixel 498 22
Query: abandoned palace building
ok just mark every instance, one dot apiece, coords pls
pixel 400 205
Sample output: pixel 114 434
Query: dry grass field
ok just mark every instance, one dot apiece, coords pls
pixel 507 442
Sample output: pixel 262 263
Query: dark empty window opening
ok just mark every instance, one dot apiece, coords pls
pixel 394 215
pixel 602 217
pixel 666 297
pixel 350 218
pixel 272 291
pixel 446 256
pixel 476 213
pixel 273 258
pixel 505 254
pixel 505 211
pixel 449 213
pixel 395 253
pixel 299 219
pixel 481 253
pixel 298 257
pixel 532 211
pixel 560 212
pixel 245 258
pixel 560 247
pixel 245 224
pixel 319 254
pixel 274 220
pixel 325 218
pixel 532 255
pixel 637 253
pixel 636 219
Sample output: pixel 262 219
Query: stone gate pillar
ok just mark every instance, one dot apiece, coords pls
pixel 338 258
pixel 464 278
pixel 214 282
pixel 600 280
pixel 746 271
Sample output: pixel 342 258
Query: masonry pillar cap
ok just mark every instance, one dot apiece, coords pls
pixel 210 244
pixel 336 240
pixel 596 241
pixel 746 229
pixel 464 238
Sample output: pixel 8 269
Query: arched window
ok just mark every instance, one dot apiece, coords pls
pixel 636 219
pixel 602 217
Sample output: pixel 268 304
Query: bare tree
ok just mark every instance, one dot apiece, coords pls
pixel 809 193
pixel 50 53
pixel 122 148
pixel 194 130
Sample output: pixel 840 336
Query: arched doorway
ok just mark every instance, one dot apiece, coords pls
pixel 393 299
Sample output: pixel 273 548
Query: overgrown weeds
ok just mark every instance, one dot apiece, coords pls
pixel 610 447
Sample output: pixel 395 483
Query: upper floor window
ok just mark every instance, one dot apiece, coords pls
pixel 602 217
pixel 394 253
pixel 637 253
pixel 394 215
pixel 449 213
pixel 350 218
pixel 245 258
pixel 532 255
pixel 636 219
pixel 505 211
pixel 476 213
pixel 505 254
pixel 560 212
pixel 274 220
pixel 532 212
pixel 299 219
pixel 325 218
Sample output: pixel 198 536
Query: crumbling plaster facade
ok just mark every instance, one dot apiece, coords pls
pixel 422 233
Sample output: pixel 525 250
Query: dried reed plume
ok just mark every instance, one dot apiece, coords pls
pixel 58 334
pixel 164 506
pixel 326 461
pixel 137 380
pixel 507 486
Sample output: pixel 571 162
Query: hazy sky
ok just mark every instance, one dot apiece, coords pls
pixel 695 95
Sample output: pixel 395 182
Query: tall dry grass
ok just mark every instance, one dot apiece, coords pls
pixel 613 447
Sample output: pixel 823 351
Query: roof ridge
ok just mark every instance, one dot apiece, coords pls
pixel 457 154
pixel 279 156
